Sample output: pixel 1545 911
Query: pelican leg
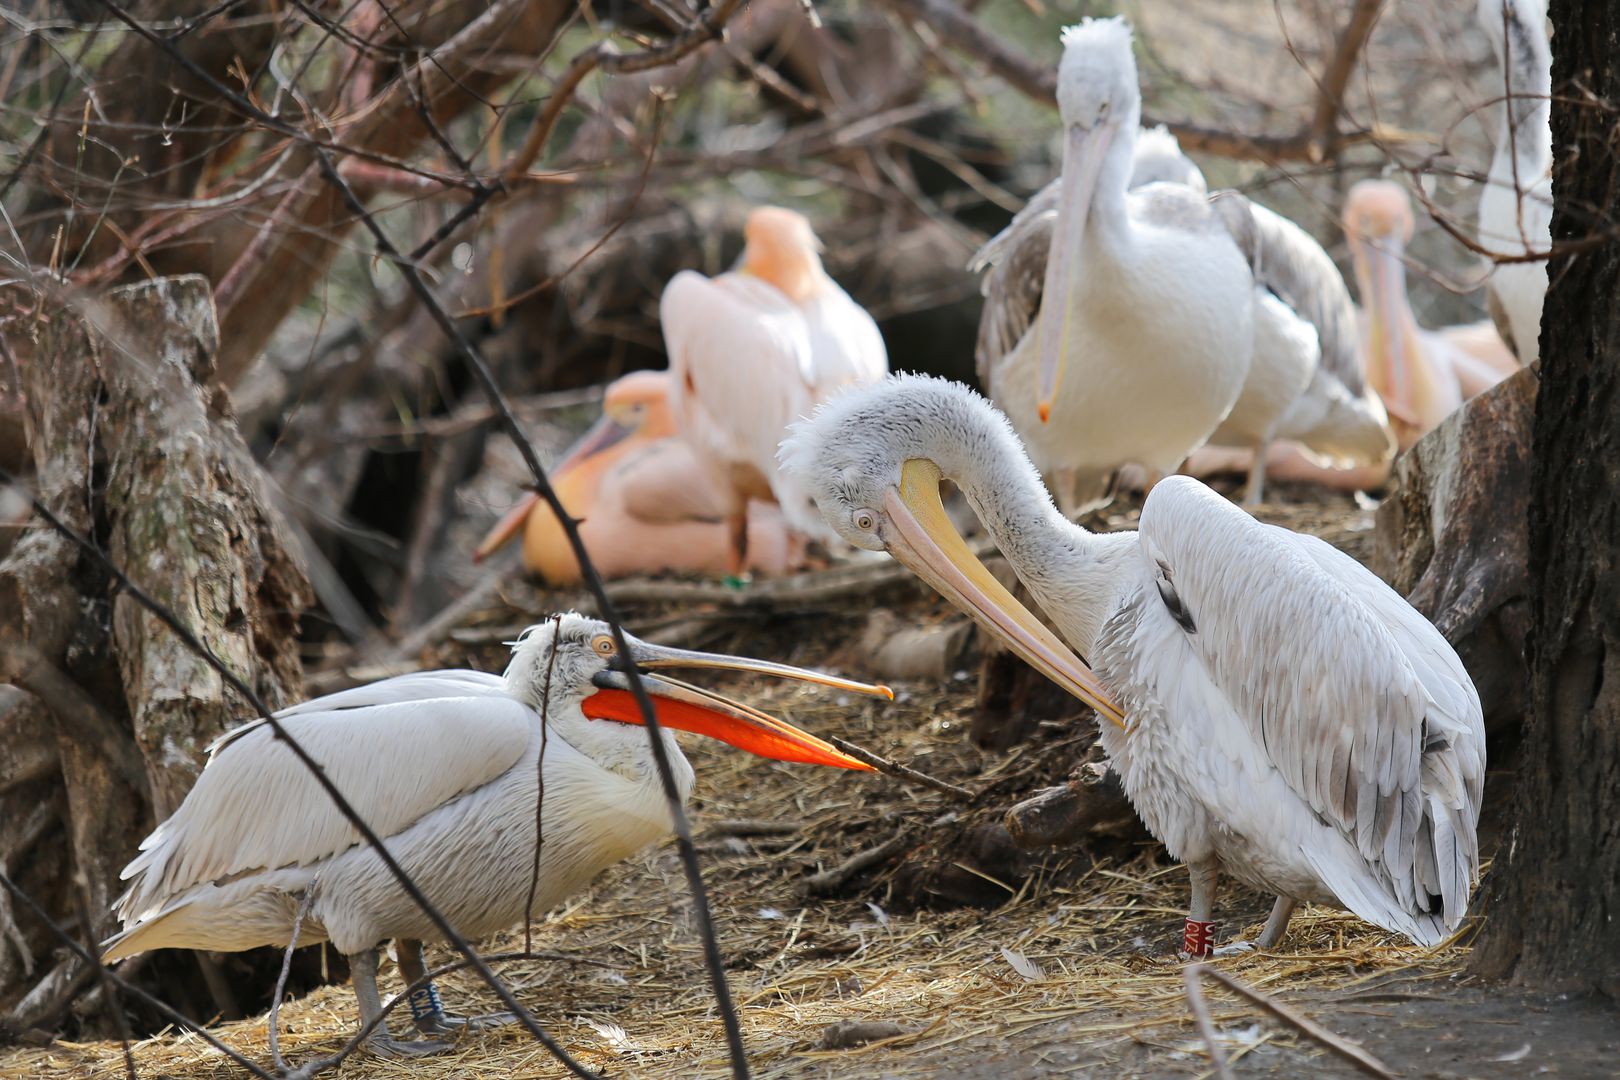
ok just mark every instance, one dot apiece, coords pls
pixel 1281 912
pixel 1255 492
pixel 427 1011
pixel 363 972
pixel 1198 940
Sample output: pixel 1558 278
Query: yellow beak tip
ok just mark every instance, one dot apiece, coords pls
pixel 885 692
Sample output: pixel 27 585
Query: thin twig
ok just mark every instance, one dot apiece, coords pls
pixel 1206 1029
pixel 904 772
pixel 1339 1045
pixel 831 880
pixel 540 788
pixel 109 992
pixel 304 904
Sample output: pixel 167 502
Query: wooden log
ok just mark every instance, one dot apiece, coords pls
pixel 1091 804
pixel 1453 538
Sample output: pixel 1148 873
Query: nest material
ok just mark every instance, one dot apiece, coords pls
pixel 1081 955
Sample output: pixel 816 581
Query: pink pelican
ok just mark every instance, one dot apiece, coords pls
pixel 1515 209
pixel 1181 315
pixel 446 767
pixel 1422 375
pixel 645 502
pixel 1276 712
pixel 755 349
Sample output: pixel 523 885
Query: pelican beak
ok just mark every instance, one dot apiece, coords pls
pixel 1083 154
pixel 506 528
pixel 929 545
pixel 1388 274
pixel 685 707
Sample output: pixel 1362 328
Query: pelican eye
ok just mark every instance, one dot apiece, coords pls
pixel 865 521
pixel 604 645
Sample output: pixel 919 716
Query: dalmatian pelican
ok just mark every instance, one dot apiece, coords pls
pixel 444 766
pixel 1275 711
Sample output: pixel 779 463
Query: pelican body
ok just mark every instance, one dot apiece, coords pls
pixel 444 767
pixel 1515 209
pixel 1275 711
pixel 1118 322
pixel 755 349
pixel 644 501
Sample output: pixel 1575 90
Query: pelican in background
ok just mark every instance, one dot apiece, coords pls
pixel 1515 210
pixel 1298 375
pixel 645 502
pixel 755 349
pixel 1117 324
pixel 444 766
pixel 1275 711
pixel 1422 375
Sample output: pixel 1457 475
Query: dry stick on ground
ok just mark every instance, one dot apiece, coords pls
pixel 1339 1045
pixel 831 880
pixel 406 882
pixel 904 772
pixel 304 903
pixel 964 33
pixel 1206 1030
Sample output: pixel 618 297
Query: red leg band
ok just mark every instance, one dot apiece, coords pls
pixel 1198 940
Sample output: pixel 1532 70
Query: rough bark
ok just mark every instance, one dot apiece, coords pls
pixel 1555 890
pixel 127 450
pixel 1452 539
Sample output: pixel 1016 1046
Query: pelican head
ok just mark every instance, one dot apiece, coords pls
pixel 873 459
pixel 571 668
pixel 1101 104
pixel 782 249
pixel 1378 223
pixel 1159 160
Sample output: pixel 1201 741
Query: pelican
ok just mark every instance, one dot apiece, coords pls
pixel 646 504
pixel 1515 209
pixel 754 349
pixel 1422 375
pixel 1217 318
pixel 443 766
pixel 1276 712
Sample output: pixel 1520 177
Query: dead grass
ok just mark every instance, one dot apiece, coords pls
pixel 1085 945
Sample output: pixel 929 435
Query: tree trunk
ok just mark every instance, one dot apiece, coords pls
pixel 128 451
pixel 1552 919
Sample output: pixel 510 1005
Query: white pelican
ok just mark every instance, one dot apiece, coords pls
pixel 755 349
pixel 645 503
pixel 443 766
pixel 1421 375
pixel 1515 209
pixel 1163 324
pixel 1275 711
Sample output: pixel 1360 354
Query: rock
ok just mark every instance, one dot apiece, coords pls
pixel 847 1034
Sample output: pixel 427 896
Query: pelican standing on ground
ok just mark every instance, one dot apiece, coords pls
pixel 1275 711
pixel 755 349
pixel 1422 375
pixel 1298 375
pixel 443 766
pixel 1515 210
pixel 1117 324
pixel 644 502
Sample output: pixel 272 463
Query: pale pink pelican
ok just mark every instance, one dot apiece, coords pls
pixel 445 766
pixel 645 502
pixel 1515 209
pixel 755 349
pixel 1422 375
pixel 1276 712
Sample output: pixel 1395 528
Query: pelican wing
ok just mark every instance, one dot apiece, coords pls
pixel 1357 701
pixel 846 345
pixel 1013 263
pixel 396 749
pixel 1287 260
pixel 663 484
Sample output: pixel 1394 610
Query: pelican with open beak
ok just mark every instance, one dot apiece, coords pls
pixel 1275 711
pixel 446 767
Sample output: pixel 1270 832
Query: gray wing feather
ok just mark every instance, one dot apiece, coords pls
pixel 1013 263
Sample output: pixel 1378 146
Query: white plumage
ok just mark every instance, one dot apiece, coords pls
pixel 1515 209
pixel 1281 714
pixel 444 766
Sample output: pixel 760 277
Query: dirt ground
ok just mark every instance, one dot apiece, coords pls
pixel 1073 973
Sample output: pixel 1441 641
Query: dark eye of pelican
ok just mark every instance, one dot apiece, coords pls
pixel 864 521
pixel 603 644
